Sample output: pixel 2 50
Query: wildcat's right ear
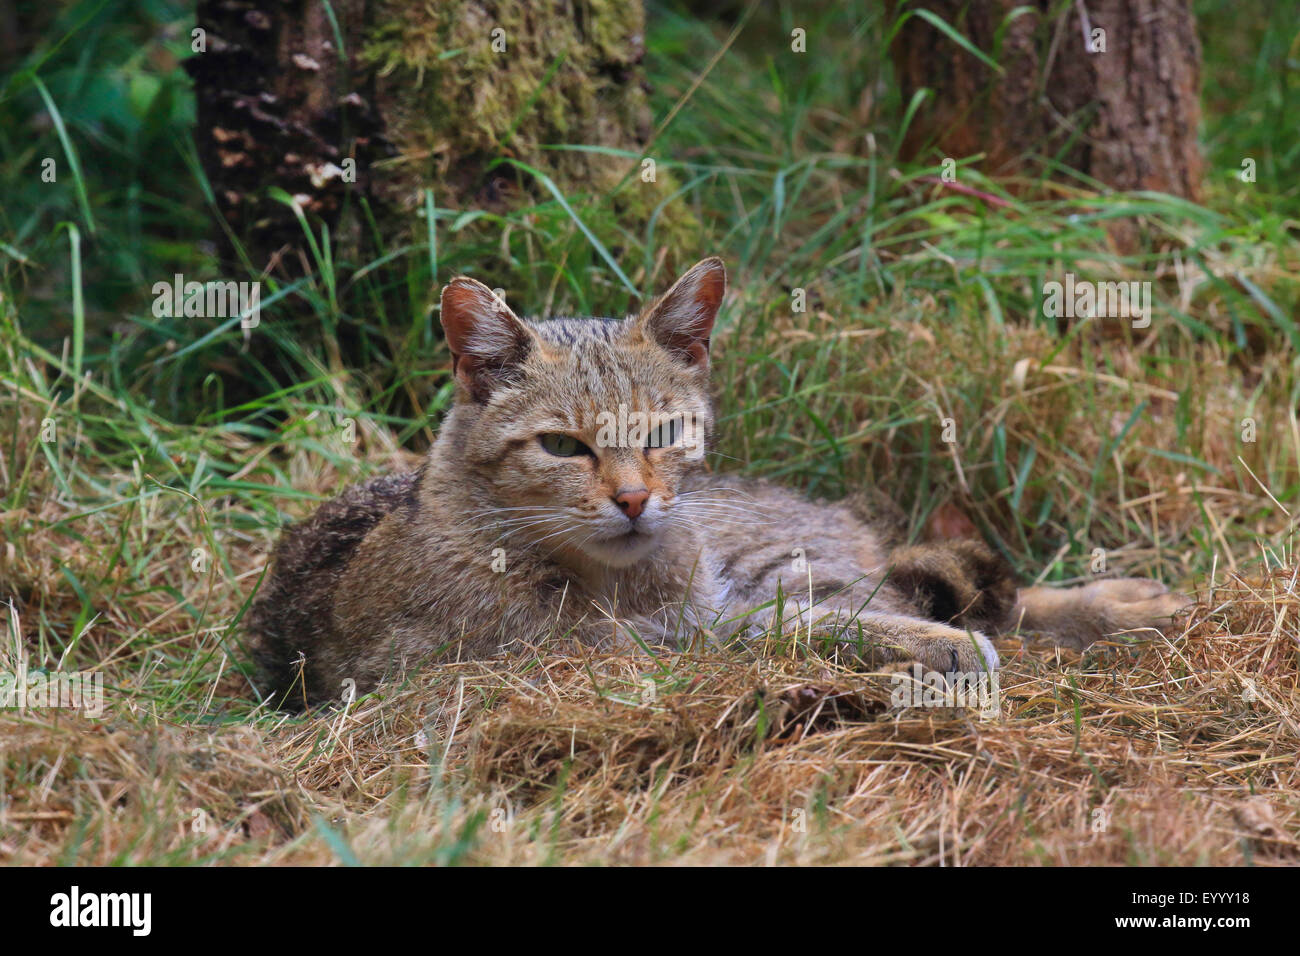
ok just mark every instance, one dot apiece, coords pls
pixel 488 342
pixel 681 320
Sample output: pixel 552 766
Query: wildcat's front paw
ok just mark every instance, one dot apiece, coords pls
pixel 939 647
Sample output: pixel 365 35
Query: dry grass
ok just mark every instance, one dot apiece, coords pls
pixel 1186 746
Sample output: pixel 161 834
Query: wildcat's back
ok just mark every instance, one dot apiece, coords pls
pixel 566 501
pixel 295 607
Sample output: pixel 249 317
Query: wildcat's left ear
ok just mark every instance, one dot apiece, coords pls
pixel 488 342
pixel 681 320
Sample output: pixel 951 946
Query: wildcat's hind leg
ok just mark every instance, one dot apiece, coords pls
pixel 1078 616
pixel 963 582
pixel 967 584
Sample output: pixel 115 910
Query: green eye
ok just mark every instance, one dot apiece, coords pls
pixel 665 435
pixel 563 446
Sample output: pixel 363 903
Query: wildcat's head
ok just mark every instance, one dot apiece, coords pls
pixel 576 434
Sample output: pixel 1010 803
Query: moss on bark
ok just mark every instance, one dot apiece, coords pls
pixel 430 96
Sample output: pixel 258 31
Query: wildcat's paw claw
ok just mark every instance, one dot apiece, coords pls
pixel 950 651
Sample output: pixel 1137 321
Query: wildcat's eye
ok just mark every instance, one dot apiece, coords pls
pixel 563 446
pixel 664 435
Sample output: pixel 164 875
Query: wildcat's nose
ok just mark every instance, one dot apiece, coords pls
pixel 632 500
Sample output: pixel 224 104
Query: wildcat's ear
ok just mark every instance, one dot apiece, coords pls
pixel 488 342
pixel 681 320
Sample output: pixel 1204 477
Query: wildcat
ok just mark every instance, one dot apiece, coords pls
pixel 565 500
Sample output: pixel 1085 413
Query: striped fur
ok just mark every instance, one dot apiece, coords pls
pixel 498 544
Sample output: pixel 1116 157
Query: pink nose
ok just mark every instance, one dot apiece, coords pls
pixel 632 500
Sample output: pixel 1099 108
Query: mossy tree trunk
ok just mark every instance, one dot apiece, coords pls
pixel 1108 87
pixel 357 107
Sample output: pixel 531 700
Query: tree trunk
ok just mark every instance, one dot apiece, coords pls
pixel 417 96
pixel 1108 87
pixel 22 26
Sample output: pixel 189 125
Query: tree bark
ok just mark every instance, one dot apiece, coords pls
pixel 1125 113
pixel 418 96
pixel 22 26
